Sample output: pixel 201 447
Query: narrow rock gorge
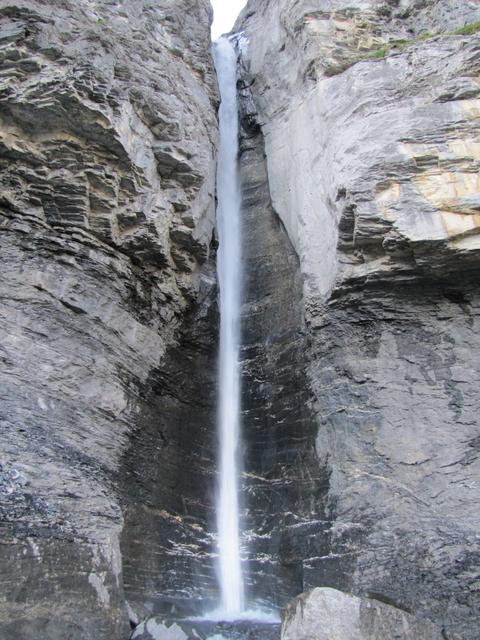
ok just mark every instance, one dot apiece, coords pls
pixel 359 161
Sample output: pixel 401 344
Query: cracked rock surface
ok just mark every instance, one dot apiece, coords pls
pixel 369 113
pixel 107 163
pixel 323 614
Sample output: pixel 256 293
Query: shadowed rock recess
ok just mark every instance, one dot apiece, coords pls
pixel 282 486
pixel 370 118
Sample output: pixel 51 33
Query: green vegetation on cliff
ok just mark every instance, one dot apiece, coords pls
pixel 467 29
pixel 400 45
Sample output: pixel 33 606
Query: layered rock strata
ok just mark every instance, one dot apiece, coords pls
pixel 369 113
pixel 107 165
pixel 388 189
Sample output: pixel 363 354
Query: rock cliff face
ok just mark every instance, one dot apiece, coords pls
pixel 282 487
pixel 360 167
pixel 392 109
pixel 369 113
pixel 108 136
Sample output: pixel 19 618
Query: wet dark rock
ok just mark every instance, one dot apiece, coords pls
pixel 167 477
pixel 283 486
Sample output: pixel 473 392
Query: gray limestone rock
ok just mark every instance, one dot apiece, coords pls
pixel 157 629
pixel 369 113
pixel 390 99
pixel 328 614
pixel 105 257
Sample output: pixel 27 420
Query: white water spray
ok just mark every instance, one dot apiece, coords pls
pixel 229 255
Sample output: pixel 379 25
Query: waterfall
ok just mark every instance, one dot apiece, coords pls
pixel 229 275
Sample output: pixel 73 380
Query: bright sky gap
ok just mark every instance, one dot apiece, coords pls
pixel 225 14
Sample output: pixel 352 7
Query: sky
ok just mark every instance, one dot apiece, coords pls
pixel 225 14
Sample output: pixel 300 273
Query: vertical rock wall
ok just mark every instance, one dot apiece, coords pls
pixel 168 480
pixel 369 113
pixel 283 488
pixel 107 168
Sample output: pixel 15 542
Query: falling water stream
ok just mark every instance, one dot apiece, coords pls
pixel 232 588
pixel 232 606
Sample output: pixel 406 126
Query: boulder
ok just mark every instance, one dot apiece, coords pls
pixel 328 614
pixel 155 628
